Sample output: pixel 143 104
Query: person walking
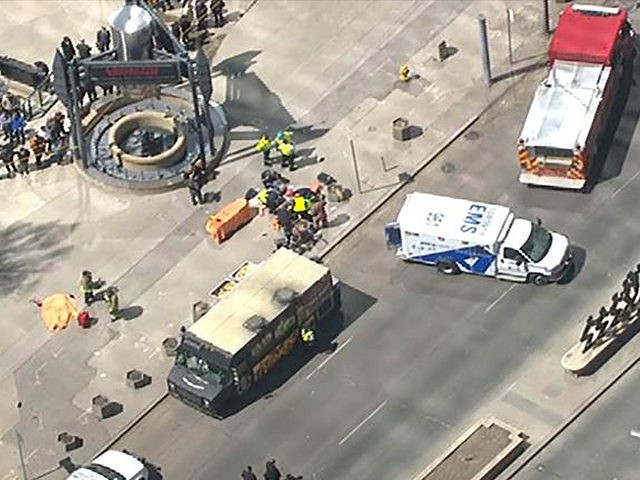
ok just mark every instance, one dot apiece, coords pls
pixel 247 474
pixel 217 8
pixel 193 185
pixel 36 144
pixel 7 159
pixel 176 30
pixel 84 50
pixel 18 124
pixel 111 299
pixel 87 286
pixel 103 39
pixel 23 155
pixel 68 51
pixel 5 122
pixel 264 146
pixel 271 471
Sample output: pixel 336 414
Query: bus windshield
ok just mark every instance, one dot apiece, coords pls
pixel 202 368
pixel 538 243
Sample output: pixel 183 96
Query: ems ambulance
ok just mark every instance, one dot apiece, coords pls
pixel 459 235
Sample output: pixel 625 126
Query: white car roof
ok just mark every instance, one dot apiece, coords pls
pixel 122 463
pixel 439 216
pixel 126 465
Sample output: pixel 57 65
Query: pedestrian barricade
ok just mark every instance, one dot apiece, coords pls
pixel 220 226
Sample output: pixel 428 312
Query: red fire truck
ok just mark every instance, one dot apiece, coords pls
pixel 591 50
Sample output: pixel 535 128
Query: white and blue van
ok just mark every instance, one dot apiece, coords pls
pixel 459 235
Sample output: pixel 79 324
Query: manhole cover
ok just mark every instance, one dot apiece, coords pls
pixel 448 167
pixel 472 135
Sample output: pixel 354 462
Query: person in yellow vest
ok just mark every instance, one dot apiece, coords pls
pixel 307 336
pixel 287 155
pixel 284 136
pixel 404 74
pixel 264 146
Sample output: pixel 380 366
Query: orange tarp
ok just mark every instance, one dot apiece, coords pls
pixel 221 225
pixel 58 310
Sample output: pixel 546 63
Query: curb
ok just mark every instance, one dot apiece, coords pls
pixel 342 236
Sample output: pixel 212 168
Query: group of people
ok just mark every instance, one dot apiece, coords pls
pixel 283 142
pixel 298 213
pixel 88 287
pixel 271 473
pixel 196 18
pixel 81 51
pixel 46 144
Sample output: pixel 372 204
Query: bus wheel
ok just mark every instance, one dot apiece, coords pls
pixel 538 279
pixel 448 267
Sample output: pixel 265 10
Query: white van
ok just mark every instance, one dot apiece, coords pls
pixel 459 235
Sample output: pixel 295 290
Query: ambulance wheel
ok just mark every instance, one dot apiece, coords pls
pixel 538 279
pixel 448 267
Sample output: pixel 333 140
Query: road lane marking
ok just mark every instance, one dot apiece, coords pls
pixel 625 184
pixel 495 302
pixel 348 435
pixel 324 362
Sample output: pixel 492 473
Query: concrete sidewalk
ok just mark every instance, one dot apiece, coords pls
pixel 332 74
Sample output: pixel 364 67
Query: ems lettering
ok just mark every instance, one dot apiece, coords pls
pixel 473 218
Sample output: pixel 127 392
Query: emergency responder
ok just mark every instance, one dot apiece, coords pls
pixel 23 155
pixel 288 155
pixel 271 471
pixel 84 50
pixel 103 39
pixel 86 287
pixel 68 52
pixel 285 135
pixel 111 299
pixel 405 74
pixel 247 474
pixel 264 146
pixel 307 336
pixel 299 205
pixel 263 197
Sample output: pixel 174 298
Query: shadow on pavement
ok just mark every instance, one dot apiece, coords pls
pixel 621 124
pixel 129 313
pixel 579 259
pixel 250 102
pixel 354 304
pixel 27 250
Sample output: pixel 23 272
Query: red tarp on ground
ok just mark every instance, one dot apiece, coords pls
pixel 584 37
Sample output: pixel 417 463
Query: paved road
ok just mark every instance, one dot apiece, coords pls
pixel 599 445
pixel 421 351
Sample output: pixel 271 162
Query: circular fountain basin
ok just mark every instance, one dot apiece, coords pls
pixel 128 147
